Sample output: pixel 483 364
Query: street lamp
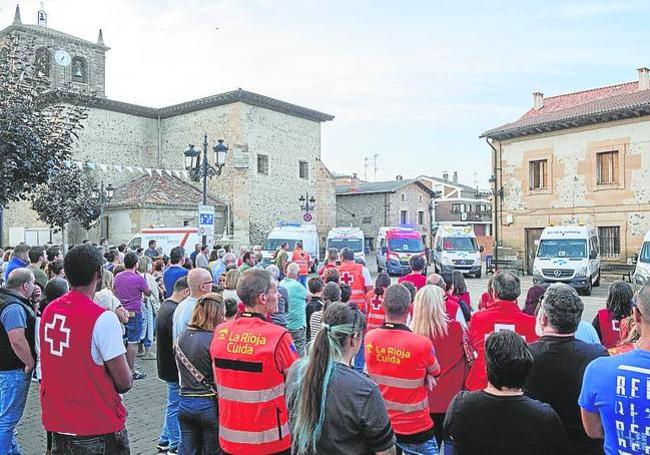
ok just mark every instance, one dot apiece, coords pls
pixel 307 204
pixel 199 168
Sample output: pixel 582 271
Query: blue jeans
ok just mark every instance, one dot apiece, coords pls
pixel 147 325
pixel 302 279
pixel 199 420
pixel 102 444
pixel 14 385
pixel 171 431
pixel 134 328
pixel 429 447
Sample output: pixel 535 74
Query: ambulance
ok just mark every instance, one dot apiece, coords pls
pixel 347 237
pixel 570 255
pixel 395 248
pixel 291 232
pixel 642 271
pixel 456 248
pixel 166 238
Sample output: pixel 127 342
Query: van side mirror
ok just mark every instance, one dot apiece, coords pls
pixel 438 248
pixel 481 249
pixel 384 250
pixel 593 254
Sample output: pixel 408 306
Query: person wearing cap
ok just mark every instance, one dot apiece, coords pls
pixel 304 261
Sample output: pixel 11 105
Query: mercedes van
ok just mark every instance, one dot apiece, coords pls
pixel 395 248
pixel 347 237
pixel 456 248
pixel 642 271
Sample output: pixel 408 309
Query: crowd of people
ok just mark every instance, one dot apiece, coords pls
pixel 266 358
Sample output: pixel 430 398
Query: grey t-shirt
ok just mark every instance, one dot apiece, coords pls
pixel 356 420
pixel 195 344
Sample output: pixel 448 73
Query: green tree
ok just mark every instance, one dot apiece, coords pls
pixel 38 124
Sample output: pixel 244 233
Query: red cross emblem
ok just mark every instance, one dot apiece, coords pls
pixel 57 335
pixel 347 278
pixel 376 303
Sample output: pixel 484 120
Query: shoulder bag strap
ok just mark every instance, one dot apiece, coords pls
pixel 196 374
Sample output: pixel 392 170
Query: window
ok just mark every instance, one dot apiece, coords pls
pixel 403 197
pixel 420 198
pixel 403 216
pixel 262 164
pixel 366 220
pixel 303 169
pixel 610 240
pixel 455 209
pixel 538 175
pixel 79 70
pixel 420 217
pixel 43 62
pixel 607 167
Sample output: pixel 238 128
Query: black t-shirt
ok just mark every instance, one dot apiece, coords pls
pixel 167 370
pixel 356 421
pixel 556 379
pixel 479 423
pixel 315 304
pixel 195 344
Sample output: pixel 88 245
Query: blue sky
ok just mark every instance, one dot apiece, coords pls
pixel 415 82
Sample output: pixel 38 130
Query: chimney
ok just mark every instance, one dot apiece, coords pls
pixel 445 176
pixel 399 177
pixel 17 16
pixel 455 177
pixel 354 182
pixel 538 100
pixel 644 78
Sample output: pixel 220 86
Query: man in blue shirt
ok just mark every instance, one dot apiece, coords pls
pixel 296 302
pixel 175 269
pixel 614 398
pixel 19 258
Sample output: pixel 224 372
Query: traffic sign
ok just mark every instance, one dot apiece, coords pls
pixel 307 217
pixel 206 220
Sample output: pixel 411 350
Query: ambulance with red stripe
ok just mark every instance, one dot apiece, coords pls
pixel 395 248
pixel 166 238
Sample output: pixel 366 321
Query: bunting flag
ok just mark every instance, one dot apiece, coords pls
pixel 103 167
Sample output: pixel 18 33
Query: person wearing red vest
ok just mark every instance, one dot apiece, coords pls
pixel 375 313
pixel 416 276
pixel 332 260
pixel 251 358
pixel 504 314
pixel 304 261
pixel 617 307
pixel 403 364
pixel 80 388
pixel 355 276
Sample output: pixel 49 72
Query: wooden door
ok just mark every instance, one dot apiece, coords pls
pixel 532 240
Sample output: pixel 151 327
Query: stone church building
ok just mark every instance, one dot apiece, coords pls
pixel 274 153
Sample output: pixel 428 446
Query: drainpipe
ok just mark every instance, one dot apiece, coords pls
pixel 159 144
pixel 496 202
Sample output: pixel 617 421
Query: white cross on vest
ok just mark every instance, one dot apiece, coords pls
pixel 57 337
pixel 347 278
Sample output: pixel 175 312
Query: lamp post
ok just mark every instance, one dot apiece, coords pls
pixel 105 197
pixel 199 167
pixel 307 204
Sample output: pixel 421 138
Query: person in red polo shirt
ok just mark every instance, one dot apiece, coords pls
pixel 416 276
pixel 403 363
pixel 80 388
pixel 504 314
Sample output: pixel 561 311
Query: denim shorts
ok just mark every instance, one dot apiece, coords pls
pixel 134 329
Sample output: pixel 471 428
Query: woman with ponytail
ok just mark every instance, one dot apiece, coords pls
pixel 332 408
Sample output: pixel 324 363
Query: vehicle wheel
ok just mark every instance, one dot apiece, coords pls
pixel 587 291
pixel 597 283
pixel 478 274
pixel 379 269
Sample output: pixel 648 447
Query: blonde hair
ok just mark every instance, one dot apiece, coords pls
pixel 209 312
pixel 232 279
pixel 107 279
pixel 429 313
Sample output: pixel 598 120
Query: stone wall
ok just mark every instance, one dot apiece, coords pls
pixel 573 194
pixel 366 211
pixel 412 199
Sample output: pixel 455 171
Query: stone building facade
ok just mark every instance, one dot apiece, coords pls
pixel 579 158
pixel 274 146
pixel 372 205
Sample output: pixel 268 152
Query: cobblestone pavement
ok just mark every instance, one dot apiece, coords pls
pixel 146 401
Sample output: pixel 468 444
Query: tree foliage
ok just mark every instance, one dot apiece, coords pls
pixel 38 124
pixel 70 195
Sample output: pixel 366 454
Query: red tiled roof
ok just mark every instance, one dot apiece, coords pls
pixel 571 110
pixel 159 191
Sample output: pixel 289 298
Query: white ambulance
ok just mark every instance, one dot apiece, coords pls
pixel 570 255
pixel 166 238
pixel 291 232
pixel 642 271
pixel 456 248
pixel 347 237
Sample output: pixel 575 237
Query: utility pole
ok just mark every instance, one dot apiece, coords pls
pixel 375 160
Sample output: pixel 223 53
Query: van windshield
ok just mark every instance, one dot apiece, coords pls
pixel 355 245
pixel 562 248
pixel 274 244
pixel 645 253
pixel 459 244
pixel 410 245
